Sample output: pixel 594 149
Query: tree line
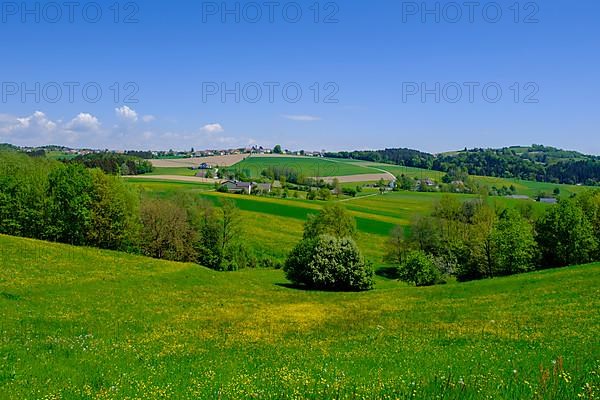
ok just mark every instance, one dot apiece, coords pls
pixel 69 203
pixel 114 163
pixel 536 163
pixel 474 240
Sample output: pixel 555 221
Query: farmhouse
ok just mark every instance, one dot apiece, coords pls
pixel 548 200
pixel 426 182
pixel 247 187
pixel 264 187
pixel 239 187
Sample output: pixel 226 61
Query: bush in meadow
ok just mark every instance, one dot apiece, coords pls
pixel 329 263
pixel 419 269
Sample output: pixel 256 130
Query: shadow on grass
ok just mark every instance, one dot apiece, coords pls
pixel 9 296
pixel 304 288
pixel 293 286
pixel 387 272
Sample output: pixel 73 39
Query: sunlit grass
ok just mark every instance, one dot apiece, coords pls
pixel 306 166
pixel 82 323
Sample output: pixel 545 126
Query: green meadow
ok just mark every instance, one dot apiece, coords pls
pixel 272 226
pixel 177 171
pixel 324 167
pixel 527 188
pixel 60 155
pixel 306 166
pixel 81 323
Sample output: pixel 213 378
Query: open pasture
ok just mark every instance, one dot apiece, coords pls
pixel 528 188
pixel 273 225
pixel 305 166
pixel 82 323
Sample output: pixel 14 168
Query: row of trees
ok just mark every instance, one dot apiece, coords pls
pixel 115 164
pixel 65 203
pixel 406 157
pixel 71 204
pixel 473 240
pixel 537 163
pixel 194 230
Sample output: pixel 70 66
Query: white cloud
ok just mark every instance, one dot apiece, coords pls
pixel 302 118
pixel 33 129
pixel 212 128
pixel 37 121
pixel 127 114
pixel 86 130
pixel 148 118
pixel 84 122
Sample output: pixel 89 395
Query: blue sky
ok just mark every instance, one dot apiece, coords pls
pixel 370 61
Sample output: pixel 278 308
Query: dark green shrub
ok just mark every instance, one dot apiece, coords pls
pixel 329 263
pixel 419 269
pixel 566 236
pixel 237 256
pixel 69 190
pixel 270 263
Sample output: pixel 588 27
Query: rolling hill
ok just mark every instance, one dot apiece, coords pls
pixel 81 323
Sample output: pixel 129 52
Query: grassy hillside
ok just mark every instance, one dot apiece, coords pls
pixel 323 167
pixel 179 171
pixel 273 226
pixel 307 166
pixel 528 188
pixel 89 324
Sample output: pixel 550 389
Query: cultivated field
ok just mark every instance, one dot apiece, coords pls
pixel 349 172
pixel 222 161
pixel 82 323
pixel 305 166
pixel 273 226
pixel 528 188
pixel 359 178
pixel 173 178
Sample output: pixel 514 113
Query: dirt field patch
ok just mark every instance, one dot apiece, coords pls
pixel 221 161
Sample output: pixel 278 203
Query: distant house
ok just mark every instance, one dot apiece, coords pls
pixel 518 197
pixel 203 166
pixel 426 182
pixel 264 187
pixel 239 187
pixel 548 200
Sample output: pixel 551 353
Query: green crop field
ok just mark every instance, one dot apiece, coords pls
pixel 81 323
pixel 272 226
pixel 306 166
pixel 178 171
pixel 323 167
pixel 528 188
pixel 60 155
